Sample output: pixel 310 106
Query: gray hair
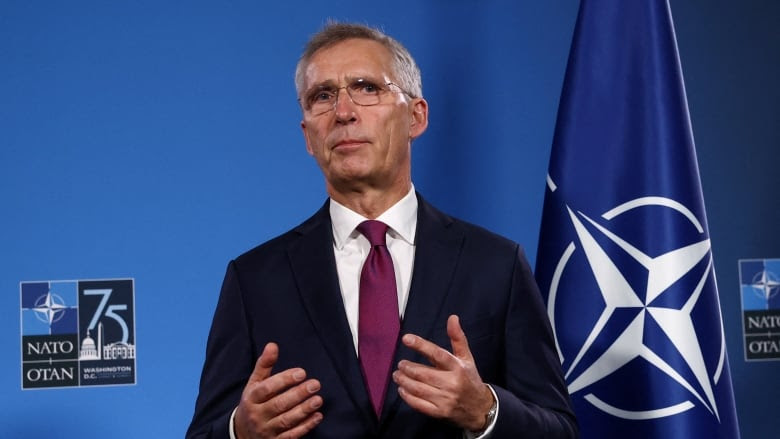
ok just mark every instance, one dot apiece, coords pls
pixel 405 69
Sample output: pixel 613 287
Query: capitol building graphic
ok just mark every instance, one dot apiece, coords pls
pixel 90 350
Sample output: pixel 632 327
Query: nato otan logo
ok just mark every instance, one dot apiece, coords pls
pixel 760 288
pixel 77 333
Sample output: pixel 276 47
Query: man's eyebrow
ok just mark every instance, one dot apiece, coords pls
pixel 369 78
pixel 351 79
pixel 329 83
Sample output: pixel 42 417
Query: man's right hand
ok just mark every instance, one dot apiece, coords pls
pixel 282 405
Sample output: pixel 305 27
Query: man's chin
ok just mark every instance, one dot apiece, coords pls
pixel 350 180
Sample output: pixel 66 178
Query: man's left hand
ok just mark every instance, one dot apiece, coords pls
pixel 450 388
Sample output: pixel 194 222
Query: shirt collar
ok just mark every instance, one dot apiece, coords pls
pixel 401 217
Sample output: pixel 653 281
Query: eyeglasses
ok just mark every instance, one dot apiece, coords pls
pixel 363 92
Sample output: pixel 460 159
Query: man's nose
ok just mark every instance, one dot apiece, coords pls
pixel 344 106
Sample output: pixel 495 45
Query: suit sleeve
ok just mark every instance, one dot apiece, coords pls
pixel 230 358
pixel 534 401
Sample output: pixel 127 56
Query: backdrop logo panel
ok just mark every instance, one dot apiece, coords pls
pixel 77 333
pixel 760 289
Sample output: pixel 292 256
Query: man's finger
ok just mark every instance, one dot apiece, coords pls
pixel 422 373
pixel 438 356
pixel 303 427
pixel 293 396
pixel 460 344
pixel 277 384
pixel 293 407
pixel 416 385
pixel 284 404
pixel 264 363
pixel 420 404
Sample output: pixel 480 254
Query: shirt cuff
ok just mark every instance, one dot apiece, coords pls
pixel 232 427
pixel 487 432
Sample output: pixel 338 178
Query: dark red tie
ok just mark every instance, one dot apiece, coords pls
pixel 378 319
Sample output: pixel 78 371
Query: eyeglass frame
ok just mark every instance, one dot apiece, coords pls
pixel 337 92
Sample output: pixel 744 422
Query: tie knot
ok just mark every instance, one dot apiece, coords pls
pixel 374 231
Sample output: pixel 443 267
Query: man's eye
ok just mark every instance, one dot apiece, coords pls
pixel 322 96
pixel 366 87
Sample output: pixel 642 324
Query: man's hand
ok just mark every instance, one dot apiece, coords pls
pixel 451 387
pixel 282 405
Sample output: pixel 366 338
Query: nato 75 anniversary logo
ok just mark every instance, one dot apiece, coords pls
pixel 77 333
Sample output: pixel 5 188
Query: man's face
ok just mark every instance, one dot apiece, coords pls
pixel 359 147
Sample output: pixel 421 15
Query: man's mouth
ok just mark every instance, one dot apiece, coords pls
pixel 348 143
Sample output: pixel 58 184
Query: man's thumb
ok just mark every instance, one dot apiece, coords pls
pixel 265 363
pixel 460 345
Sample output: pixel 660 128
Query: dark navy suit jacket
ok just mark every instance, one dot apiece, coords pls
pixel 287 291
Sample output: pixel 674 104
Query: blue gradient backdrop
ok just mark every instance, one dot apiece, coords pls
pixel 158 139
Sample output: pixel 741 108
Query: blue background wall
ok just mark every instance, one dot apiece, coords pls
pixel 144 138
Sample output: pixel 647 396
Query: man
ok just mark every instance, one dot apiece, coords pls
pixel 349 328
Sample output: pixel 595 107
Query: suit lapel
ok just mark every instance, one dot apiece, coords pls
pixel 314 268
pixel 437 251
pixel 436 256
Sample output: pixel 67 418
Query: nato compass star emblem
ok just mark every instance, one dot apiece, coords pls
pixel 49 308
pixel 633 308
pixel 765 285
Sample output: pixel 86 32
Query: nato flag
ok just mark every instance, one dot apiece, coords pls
pixel 624 254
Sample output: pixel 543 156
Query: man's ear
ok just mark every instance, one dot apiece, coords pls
pixel 306 138
pixel 419 118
